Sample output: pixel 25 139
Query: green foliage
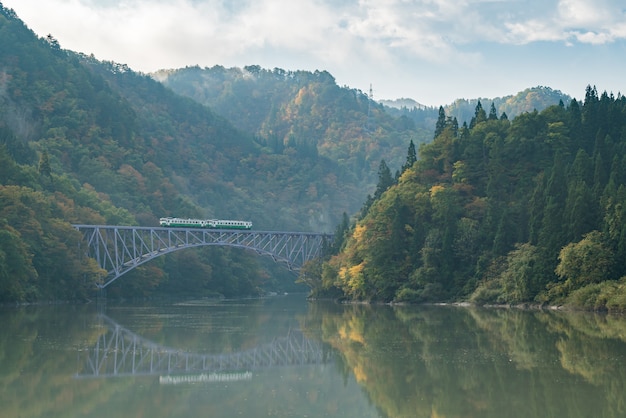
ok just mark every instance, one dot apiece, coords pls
pixel 305 112
pixel 584 262
pixel 95 142
pixel 507 212
pixel 86 141
pixel 17 276
pixel 40 256
pixel 411 157
pixel 605 296
pixel 44 165
pixel 512 279
pixel 526 101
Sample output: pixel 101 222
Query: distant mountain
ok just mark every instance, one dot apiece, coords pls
pixel 305 110
pixel 402 103
pixel 535 98
pixel 528 100
pixel 85 141
pixel 280 107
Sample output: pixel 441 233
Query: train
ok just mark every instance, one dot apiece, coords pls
pixel 204 223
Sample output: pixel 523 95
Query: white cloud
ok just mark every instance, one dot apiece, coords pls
pixel 597 22
pixel 585 13
pixel 393 43
pixel 142 32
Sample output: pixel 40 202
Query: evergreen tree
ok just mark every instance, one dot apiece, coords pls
pixel 580 211
pixel 411 157
pixel 574 119
pixel 552 235
pixel 582 167
pixel 54 44
pixel 590 114
pixel 479 116
pixel 441 122
pixel 492 112
pixel 536 207
pixel 454 126
pixel 385 180
pixel 44 165
pixel 464 132
pixel 340 233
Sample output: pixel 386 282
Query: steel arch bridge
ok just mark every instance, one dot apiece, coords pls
pixel 119 249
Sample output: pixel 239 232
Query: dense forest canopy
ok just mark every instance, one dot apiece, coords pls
pixel 310 112
pixel 304 110
pixel 498 211
pixel 84 141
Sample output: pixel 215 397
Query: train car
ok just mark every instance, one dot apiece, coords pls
pixel 228 224
pixel 182 222
pixel 204 223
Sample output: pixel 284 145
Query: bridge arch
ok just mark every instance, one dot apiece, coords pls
pixel 119 249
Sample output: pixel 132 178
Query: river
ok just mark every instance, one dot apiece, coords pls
pixel 287 357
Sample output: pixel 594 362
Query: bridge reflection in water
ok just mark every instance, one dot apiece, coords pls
pixel 120 352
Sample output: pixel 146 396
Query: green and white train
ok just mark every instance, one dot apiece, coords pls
pixel 204 223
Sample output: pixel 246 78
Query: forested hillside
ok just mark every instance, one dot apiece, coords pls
pixel 303 110
pixel 84 141
pixel 309 112
pixel 74 149
pixel 497 211
pixel 528 100
pixel 483 214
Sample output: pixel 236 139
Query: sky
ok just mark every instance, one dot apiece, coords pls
pixel 433 51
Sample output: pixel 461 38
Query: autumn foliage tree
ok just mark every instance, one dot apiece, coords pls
pixel 499 211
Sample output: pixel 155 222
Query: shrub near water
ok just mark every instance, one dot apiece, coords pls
pixel 606 296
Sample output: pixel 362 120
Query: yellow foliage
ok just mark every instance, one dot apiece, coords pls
pixel 343 333
pixel 356 270
pixel 349 333
pixel 356 336
pixel 436 189
pixel 300 96
pixel 355 277
pixel 359 374
pixel 359 232
pixel 343 273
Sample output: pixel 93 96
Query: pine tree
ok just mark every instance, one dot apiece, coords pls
pixel 492 113
pixel 44 165
pixel 340 234
pixel 479 115
pixel 385 180
pixel 441 122
pixel 574 117
pixel 552 235
pixel 411 157
pixel 454 125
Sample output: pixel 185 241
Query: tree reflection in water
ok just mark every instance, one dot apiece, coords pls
pixel 449 361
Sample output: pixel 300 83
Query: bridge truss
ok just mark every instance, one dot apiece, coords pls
pixel 119 249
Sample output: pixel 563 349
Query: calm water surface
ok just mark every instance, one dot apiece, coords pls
pixel 286 357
